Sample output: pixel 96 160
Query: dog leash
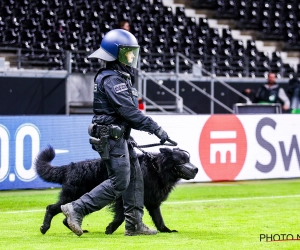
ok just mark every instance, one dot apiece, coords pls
pixel 134 144
pixel 172 143
pixel 149 155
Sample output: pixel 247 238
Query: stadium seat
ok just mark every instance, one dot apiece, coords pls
pixel 158 2
pixel 227 9
pixel 207 4
pixel 80 26
pixel 288 70
pixel 10 38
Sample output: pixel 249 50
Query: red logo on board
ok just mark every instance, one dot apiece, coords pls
pixel 222 147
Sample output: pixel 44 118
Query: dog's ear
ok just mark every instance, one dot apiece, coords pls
pixel 181 150
pixel 165 150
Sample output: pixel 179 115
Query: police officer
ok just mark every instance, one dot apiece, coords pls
pixel 116 112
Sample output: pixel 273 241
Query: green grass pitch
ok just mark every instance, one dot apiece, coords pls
pixel 226 215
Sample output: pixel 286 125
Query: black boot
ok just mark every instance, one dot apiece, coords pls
pixel 141 229
pixel 74 219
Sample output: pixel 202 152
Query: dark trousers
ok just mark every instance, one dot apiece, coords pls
pixel 125 178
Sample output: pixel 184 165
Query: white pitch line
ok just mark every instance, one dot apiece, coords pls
pixel 183 202
pixel 234 199
pixel 23 211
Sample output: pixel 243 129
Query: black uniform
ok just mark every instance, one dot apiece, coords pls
pixel 115 103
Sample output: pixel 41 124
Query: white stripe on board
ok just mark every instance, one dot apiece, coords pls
pixel 61 151
pixel 222 134
pixel 183 202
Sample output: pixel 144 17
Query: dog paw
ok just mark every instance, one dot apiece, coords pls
pixel 107 231
pixel 167 230
pixel 44 229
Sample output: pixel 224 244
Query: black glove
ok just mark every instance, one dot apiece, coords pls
pixel 162 135
pixel 132 142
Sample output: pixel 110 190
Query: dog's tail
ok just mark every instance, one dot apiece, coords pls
pixel 45 170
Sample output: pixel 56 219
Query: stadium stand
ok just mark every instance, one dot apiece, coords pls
pixel 43 31
pixel 59 35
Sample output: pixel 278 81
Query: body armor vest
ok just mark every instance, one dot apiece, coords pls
pixel 101 104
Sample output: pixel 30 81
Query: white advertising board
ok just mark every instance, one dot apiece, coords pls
pixel 234 147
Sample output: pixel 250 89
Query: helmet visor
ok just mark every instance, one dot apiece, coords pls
pixel 128 55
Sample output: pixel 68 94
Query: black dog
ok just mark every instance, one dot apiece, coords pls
pixel 161 172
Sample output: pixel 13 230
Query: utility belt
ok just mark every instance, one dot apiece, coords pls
pixel 99 135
